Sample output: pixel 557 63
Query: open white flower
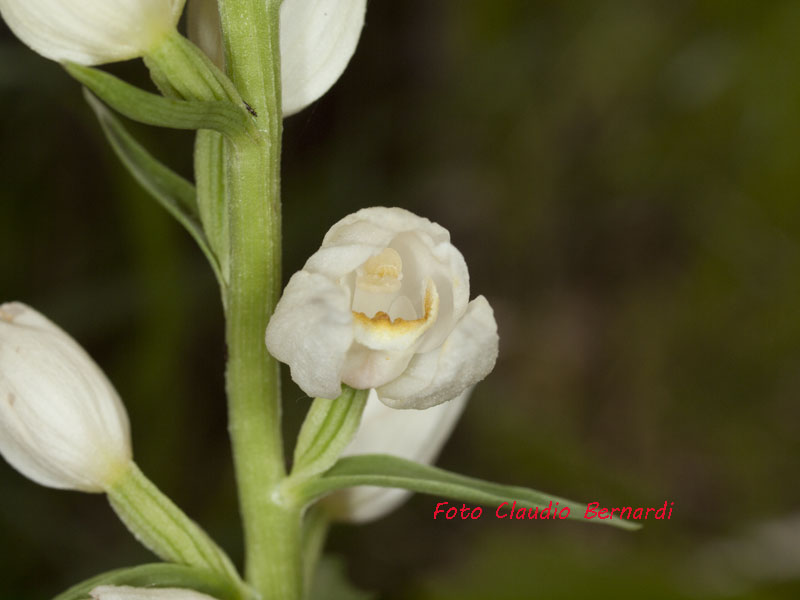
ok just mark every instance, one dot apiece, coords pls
pixel 62 424
pixel 109 592
pixel 384 304
pixel 318 39
pixel 410 434
pixel 91 32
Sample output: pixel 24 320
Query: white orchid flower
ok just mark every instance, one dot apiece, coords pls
pixel 108 592
pixel 318 39
pixel 384 304
pixel 410 434
pixel 62 424
pixel 91 32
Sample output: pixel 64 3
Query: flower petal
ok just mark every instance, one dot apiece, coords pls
pixel 91 32
pixel 336 262
pixel 392 220
pixel 318 39
pixel 361 235
pixel 311 331
pixel 466 357
pixel 366 233
pixel 414 435
pixel 365 368
pixel 423 260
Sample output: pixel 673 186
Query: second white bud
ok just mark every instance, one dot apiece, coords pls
pixel 62 424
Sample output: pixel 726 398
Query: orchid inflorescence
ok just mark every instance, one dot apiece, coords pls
pixel 378 326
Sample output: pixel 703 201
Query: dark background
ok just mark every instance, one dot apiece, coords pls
pixel 622 180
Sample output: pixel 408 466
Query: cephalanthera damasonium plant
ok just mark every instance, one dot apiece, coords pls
pixel 379 326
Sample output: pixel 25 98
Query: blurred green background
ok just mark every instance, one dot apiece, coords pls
pixel 622 178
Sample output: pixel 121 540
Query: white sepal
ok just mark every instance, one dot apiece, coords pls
pixel 62 424
pixel 311 330
pixel 384 304
pixel 318 39
pixel 108 592
pixel 410 434
pixel 91 32
pixel 466 357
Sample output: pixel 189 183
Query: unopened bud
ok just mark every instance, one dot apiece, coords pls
pixel 62 424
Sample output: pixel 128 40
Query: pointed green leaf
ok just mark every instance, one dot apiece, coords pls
pixel 152 109
pixel 158 575
pixel 329 426
pixel 389 471
pixel 171 190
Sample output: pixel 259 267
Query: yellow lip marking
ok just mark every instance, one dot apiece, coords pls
pixel 384 321
pixel 383 326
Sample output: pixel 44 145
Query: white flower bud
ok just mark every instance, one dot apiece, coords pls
pixel 91 32
pixel 108 592
pixel 318 39
pixel 384 304
pixel 62 424
pixel 410 434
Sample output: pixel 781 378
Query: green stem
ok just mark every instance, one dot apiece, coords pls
pixel 272 523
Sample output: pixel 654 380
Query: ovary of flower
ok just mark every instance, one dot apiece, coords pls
pixel 91 32
pixel 108 592
pixel 384 304
pixel 318 39
pixel 62 424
